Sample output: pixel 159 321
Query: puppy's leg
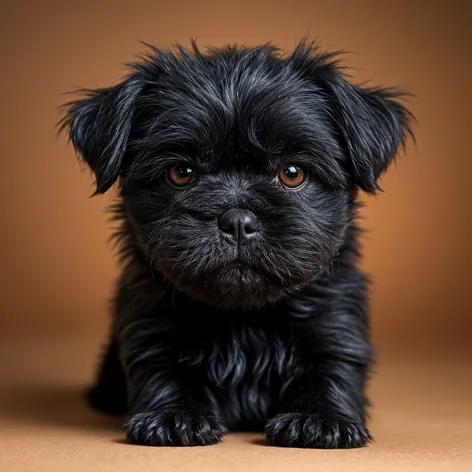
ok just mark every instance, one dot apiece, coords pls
pixel 169 403
pixel 325 406
pixel 108 394
pixel 322 411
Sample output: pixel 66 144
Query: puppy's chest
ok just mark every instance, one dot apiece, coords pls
pixel 249 354
pixel 247 365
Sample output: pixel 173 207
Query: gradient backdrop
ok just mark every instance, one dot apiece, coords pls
pixel 57 266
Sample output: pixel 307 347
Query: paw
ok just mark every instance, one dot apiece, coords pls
pixel 173 427
pixel 315 431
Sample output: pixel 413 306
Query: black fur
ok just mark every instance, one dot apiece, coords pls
pixel 200 346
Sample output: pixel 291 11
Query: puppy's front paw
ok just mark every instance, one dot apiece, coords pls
pixel 315 431
pixel 173 428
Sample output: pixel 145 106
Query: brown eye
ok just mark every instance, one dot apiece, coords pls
pixel 181 175
pixel 292 176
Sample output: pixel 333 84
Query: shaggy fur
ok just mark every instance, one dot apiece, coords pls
pixel 262 326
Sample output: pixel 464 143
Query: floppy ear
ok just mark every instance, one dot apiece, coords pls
pixel 372 126
pixel 99 126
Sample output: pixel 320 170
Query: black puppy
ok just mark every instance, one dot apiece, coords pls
pixel 240 306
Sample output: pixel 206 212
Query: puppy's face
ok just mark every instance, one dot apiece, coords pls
pixel 238 169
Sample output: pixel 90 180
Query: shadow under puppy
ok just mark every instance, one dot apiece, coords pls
pixel 240 305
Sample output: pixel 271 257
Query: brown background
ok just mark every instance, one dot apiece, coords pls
pixel 57 266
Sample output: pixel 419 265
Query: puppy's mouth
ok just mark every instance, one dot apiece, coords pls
pixel 236 265
pixel 242 270
pixel 232 281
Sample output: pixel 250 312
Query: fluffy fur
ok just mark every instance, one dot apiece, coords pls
pixel 211 334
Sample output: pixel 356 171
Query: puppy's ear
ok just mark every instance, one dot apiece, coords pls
pixel 372 125
pixel 99 126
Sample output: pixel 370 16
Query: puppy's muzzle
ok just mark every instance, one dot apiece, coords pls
pixel 239 226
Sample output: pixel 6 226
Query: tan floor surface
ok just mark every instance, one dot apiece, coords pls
pixel 421 420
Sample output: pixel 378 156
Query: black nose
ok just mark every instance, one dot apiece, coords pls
pixel 238 225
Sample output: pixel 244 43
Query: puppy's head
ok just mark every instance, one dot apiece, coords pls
pixel 238 168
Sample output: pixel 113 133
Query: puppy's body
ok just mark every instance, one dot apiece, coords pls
pixel 240 305
pixel 243 367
